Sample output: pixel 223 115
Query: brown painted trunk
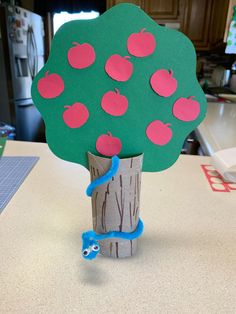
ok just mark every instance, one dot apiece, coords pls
pixel 115 204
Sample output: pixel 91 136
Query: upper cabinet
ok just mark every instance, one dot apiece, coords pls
pixel 203 21
pixel 196 22
pixel 157 9
pixel 111 3
pixel 218 22
pixel 162 9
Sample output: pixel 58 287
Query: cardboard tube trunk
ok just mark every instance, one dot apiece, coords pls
pixel 115 204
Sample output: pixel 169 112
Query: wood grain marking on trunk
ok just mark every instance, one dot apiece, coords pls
pixel 134 206
pixel 130 215
pixel 96 211
pixel 138 191
pixel 134 197
pixel 121 211
pixel 111 248
pixel 130 181
pixel 91 173
pixel 118 205
pixel 136 212
pixel 98 174
pixel 122 202
pixel 138 195
pixel 131 163
pixel 104 208
pixel 93 213
pixel 117 250
pixel 108 188
pixel 94 173
pixel 93 206
pixel 121 181
pixel 131 247
pixel 103 213
pixel 102 216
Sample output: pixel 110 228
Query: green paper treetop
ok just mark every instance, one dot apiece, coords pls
pixel 2 144
pixel 119 85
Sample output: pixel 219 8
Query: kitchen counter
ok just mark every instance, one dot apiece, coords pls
pixel 186 262
pixel 218 129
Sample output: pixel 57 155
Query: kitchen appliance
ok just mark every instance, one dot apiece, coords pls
pixel 232 83
pixel 220 76
pixel 21 57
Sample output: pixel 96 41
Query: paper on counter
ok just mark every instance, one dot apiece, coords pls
pixel 224 162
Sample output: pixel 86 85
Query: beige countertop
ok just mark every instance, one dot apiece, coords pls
pixel 186 261
pixel 218 129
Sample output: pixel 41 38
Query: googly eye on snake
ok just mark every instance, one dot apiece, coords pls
pixel 95 247
pixel 85 252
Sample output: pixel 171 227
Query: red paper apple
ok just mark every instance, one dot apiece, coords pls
pixel 141 44
pixel 158 132
pixel 114 103
pixel 163 82
pixel 108 145
pixel 186 109
pixel 51 85
pixel 76 115
pixel 81 55
pixel 119 68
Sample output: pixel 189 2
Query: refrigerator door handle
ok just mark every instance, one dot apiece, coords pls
pixel 28 44
pixel 28 52
pixel 35 54
pixel 32 52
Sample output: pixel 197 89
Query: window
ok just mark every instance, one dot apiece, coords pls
pixel 60 18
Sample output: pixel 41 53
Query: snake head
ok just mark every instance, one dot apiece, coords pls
pixel 90 248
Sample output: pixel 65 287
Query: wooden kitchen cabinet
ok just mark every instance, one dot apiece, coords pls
pixel 157 9
pixel 196 23
pixel 203 21
pixel 162 9
pixel 218 22
pixel 111 3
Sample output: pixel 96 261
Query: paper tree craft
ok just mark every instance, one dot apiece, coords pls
pixel 2 144
pixel 119 85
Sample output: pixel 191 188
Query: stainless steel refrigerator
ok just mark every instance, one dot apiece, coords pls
pixel 21 57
